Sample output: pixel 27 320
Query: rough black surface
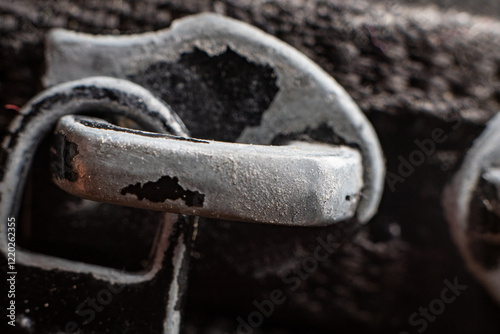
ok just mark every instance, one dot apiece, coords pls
pixel 61 308
pixel 410 69
pixel 323 133
pixel 227 91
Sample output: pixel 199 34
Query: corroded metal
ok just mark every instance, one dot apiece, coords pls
pixel 308 98
pixel 301 184
pixel 302 99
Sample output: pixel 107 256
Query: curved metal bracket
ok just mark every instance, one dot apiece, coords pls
pixel 308 98
pixel 102 96
pixel 472 197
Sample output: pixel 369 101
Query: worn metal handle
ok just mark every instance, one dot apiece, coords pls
pixel 301 184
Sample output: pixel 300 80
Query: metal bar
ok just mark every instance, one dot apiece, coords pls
pixel 301 184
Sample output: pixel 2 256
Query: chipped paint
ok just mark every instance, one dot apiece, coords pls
pixel 165 188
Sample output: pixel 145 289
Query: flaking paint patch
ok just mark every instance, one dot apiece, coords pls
pixel 63 152
pixel 166 188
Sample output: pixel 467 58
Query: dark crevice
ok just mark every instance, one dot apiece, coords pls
pixel 111 127
pixel 323 133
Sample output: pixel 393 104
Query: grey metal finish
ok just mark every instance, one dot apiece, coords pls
pixel 481 166
pixel 301 184
pixel 308 98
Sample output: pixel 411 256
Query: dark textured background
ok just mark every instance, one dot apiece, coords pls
pixel 410 68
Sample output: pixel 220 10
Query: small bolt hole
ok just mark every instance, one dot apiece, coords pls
pixel 348 198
